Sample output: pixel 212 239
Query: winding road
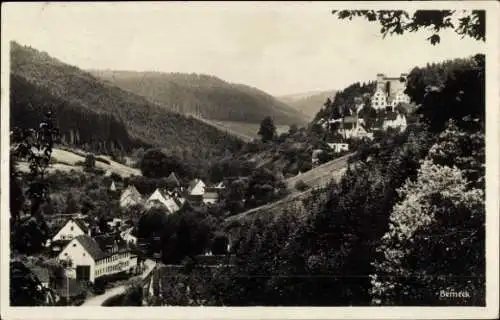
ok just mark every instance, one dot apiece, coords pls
pixel 99 300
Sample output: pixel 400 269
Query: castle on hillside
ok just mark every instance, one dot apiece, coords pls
pixel 389 91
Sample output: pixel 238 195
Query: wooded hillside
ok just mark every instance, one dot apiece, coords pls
pixel 94 114
pixel 210 96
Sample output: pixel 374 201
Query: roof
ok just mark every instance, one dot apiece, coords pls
pixel 172 180
pixel 131 193
pixel 91 246
pixel 193 184
pixel 131 189
pixel 41 273
pixel 81 225
pixel 61 243
pixel 220 185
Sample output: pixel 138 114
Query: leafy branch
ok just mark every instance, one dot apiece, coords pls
pixel 470 23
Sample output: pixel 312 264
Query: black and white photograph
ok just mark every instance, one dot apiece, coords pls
pixel 220 155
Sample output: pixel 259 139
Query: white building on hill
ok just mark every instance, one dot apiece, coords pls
pixel 339 147
pixel 389 91
pixel 395 121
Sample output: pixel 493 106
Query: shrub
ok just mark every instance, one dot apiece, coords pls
pixel 301 185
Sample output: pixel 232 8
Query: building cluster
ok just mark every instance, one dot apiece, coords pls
pixel 388 107
pixel 173 195
pixel 87 255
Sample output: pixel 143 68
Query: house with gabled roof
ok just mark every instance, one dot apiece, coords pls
pixel 196 187
pixel 172 182
pixel 71 229
pixel 160 198
pixel 130 197
pixel 89 258
pixel 112 187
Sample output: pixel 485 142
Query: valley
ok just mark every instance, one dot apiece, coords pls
pixel 171 187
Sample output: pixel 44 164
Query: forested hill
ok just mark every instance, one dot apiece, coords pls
pixel 212 97
pixel 97 115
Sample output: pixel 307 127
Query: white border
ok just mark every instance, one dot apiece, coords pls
pixel 492 204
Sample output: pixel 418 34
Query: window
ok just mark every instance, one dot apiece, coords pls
pixel 84 254
pixel 71 228
pixel 74 244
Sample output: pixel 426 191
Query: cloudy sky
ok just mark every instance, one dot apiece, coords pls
pixel 281 48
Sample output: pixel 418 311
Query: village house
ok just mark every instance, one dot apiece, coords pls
pixel 395 120
pixel 130 197
pixel 89 258
pixel 112 188
pixel 352 127
pixel 71 229
pixel 339 147
pixel 196 188
pixel 127 236
pixel 172 182
pixel 169 200
pixel 213 193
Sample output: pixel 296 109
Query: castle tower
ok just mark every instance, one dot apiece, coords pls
pixel 380 82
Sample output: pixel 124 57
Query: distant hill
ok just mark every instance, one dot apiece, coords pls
pixel 208 96
pixel 308 103
pixel 96 115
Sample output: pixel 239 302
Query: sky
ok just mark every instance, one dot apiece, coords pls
pixel 281 48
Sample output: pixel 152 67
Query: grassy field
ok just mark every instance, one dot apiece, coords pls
pixel 322 174
pixel 316 177
pixel 66 161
